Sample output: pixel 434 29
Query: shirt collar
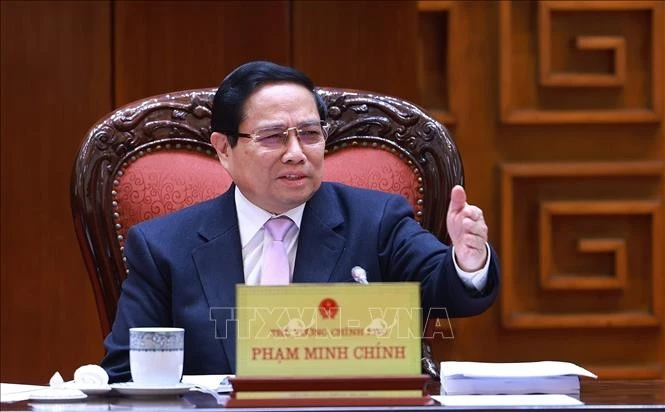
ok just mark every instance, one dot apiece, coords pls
pixel 251 217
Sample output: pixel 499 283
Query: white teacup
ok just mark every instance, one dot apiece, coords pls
pixel 156 355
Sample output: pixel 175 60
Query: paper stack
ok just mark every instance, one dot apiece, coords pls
pixel 518 378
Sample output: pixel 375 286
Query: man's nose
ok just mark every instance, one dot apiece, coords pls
pixel 293 145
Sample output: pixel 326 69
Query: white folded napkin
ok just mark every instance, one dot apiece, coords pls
pixel 86 376
pixel 91 375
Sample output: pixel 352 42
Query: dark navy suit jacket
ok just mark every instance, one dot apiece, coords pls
pixel 184 267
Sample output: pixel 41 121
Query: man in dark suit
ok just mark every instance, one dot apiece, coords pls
pixel 268 132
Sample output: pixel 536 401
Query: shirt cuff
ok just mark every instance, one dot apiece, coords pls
pixel 474 280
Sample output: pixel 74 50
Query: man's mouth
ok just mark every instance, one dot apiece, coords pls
pixel 292 177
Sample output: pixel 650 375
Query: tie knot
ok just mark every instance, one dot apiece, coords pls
pixel 278 227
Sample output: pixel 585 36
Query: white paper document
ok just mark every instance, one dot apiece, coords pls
pixel 506 400
pixel 518 378
pixel 512 370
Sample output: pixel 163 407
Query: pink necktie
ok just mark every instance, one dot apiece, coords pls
pixel 275 268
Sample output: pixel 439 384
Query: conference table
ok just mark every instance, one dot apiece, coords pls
pixel 635 395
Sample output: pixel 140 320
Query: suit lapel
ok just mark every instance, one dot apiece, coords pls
pixel 220 268
pixel 319 244
pixel 219 259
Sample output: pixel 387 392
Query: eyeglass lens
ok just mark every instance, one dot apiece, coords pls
pixel 308 134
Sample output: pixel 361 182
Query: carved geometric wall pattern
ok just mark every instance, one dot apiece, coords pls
pixel 591 61
pixel 436 22
pixel 550 279
pixel 591 239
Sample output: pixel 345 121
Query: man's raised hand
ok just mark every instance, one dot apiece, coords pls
pixel 467 230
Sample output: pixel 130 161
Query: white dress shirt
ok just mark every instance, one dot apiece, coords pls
pixel 253 236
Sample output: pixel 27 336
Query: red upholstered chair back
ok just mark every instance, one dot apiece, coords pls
pixel 153 157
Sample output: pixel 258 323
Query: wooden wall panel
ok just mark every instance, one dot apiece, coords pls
pixel 582 229
pixel 581 236
pixel 549 209
pixel 359 45
pixel 56 77
pixel 176 45
pixel 436 70
pixel 582 258
pixel 530 91
pixel 472 79
pixel 597 61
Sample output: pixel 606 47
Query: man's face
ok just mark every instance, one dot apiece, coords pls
pixel 274 179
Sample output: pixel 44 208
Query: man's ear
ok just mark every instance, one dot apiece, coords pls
pixel 220 142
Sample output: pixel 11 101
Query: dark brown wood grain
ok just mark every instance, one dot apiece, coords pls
pixel 56 72
pixel 359 45
pixel 161 47
pixel 476 66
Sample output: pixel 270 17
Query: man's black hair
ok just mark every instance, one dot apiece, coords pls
pixel 228 105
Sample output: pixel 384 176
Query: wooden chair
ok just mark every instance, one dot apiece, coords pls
pixel 153 156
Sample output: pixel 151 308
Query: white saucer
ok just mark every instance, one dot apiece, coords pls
pixel 57 395
pixel 91 389
pixel 131 388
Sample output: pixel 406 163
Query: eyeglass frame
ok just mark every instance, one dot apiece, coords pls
pixel 285 132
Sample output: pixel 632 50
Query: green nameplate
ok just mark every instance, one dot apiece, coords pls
pixel 329 329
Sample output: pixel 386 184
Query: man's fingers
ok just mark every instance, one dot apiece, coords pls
pixel 474 227
pixel 473 213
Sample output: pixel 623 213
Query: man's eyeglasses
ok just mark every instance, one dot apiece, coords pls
pixel 309 134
